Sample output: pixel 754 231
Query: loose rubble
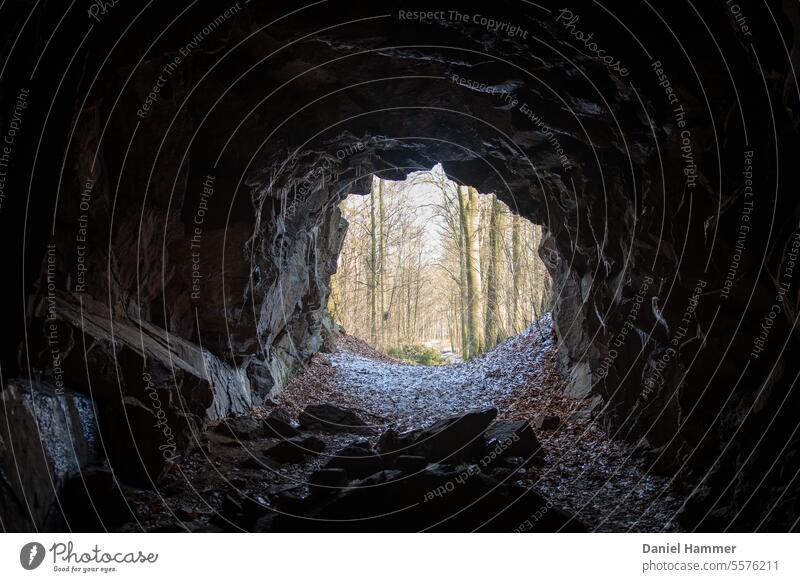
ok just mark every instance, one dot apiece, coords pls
pixel 361 442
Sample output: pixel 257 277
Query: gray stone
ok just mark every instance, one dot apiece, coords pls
pixel 358 461
pixel 47 438
pixel 295 450
pixel 155 392
pixel 241 427
pixel 506 438
pixel 455 437
pixel 279 423
pixel 331 418
pixel 579 383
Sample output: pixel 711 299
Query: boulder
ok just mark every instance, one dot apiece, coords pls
pixel 295 450
pixel 505 438
pixel 357 460
pixel 279 423
pixel 280 413
pixel 331 418
pixel 390 441
pixel 454 438
pixel 242 428
pixel 441 498
pixel 154 392
pixel 47 438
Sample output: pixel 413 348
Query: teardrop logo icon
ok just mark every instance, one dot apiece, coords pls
pixel 31 555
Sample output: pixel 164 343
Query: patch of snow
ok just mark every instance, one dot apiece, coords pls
pixel 415 396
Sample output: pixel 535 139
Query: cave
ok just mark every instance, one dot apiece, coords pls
pixel 171 181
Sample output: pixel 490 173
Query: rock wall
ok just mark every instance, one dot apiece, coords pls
pixel 54 438
pixel 193 177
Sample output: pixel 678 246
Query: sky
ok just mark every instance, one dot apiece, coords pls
pixel 424 197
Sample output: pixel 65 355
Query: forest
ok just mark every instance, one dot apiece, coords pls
pixel 434 272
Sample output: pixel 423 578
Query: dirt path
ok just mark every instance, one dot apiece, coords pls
pixel 407 396
pixel 584 472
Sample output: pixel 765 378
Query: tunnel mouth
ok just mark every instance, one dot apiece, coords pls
pixel 404 264
pixel 203 343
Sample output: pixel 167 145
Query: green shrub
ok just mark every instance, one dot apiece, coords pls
pixel 416 354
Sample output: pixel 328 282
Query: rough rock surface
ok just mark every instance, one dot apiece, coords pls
pixel 235 171
pixel 438 498
pixel 358 460
pixel 279 423
pixel 242 427
pixel 450 439
pixel 47 438
pixel 295 449
pixel 155 392
pixel 514 439
pixel 331 418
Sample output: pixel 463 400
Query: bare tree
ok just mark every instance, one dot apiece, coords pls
pixel 447 266
pixel 494 324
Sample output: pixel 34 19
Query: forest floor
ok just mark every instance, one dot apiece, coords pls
pixel 227 480
pixel 601 481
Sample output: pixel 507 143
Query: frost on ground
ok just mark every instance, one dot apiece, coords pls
pixel 584 472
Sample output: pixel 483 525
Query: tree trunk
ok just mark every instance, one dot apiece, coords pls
pixel 463 203
pixel 462 289
pixel 373 270
pixel 468 206
pixel 382 263
pixel 516 267
pixel 474 273
pixel 494 327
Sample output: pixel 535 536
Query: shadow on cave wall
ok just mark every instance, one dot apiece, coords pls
pixel 195 227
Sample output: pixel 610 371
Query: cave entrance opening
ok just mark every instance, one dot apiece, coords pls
pixel 432 272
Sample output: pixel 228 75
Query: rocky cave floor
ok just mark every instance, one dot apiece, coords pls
pixel 243 472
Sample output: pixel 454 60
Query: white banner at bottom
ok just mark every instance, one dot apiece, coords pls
pixel 416 557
